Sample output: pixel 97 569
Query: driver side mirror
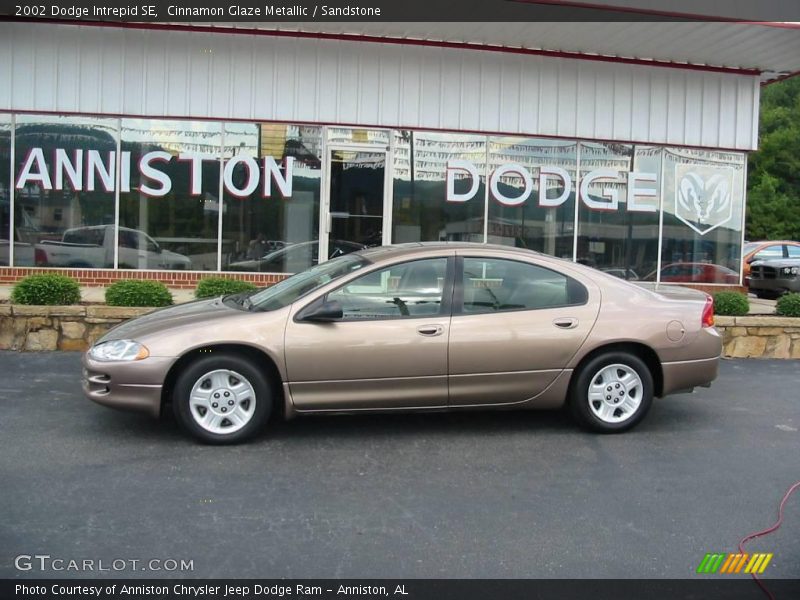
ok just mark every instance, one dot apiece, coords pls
pixel 324 313
pixel 751 259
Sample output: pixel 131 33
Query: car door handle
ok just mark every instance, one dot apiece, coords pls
pixel 430 330
pixel 566 323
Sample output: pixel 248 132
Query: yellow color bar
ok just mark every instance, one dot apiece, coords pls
pixel 765 563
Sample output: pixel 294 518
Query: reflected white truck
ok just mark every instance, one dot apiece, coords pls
pixel 93 247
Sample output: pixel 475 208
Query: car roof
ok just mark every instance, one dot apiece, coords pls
pixel 422 247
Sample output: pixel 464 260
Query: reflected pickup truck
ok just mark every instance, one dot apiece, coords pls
pixel 93 247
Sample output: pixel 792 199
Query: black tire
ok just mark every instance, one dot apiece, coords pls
pixel 191 374
pixel 579 402
pixel 763 295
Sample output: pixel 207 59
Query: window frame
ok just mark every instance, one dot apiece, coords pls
pixel 458 290
pixel 445 307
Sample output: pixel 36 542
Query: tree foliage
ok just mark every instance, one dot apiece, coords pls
pixel 773 179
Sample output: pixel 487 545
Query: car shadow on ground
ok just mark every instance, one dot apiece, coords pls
pixel 666 416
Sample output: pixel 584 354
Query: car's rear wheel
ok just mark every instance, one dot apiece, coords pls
pixel 222 398
pixel 612 392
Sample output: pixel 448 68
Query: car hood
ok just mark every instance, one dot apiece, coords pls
pixel 191 313
pixel 175 258
pixel 777 262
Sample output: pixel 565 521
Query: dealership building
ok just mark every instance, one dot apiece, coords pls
pixel 171 151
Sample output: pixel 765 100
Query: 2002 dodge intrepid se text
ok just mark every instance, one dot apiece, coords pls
pixel 424 326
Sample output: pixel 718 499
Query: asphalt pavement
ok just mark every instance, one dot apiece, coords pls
pixel 479 494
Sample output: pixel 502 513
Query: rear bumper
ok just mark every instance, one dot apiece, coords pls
pixel 684 375
pixel 111 384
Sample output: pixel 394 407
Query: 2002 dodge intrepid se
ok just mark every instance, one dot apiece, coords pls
pixel 412 327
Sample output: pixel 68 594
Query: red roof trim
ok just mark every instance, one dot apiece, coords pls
pixel 401 41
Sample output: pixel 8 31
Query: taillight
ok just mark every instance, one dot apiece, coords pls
pixel 40 257
pixel 708 313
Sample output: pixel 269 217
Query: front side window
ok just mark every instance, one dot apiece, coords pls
pixel 794 251
pixel 406 290
pixel 495 285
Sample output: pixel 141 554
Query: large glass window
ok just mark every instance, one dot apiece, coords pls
pixel 65 178
pixel 703 203
pixel 169 194
pixel 5 189
pixel 270 219
pixel 618 212
pixel 439 187
pixel 412 289
pixel 519 213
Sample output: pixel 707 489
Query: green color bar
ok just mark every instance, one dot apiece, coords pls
pixel 711 563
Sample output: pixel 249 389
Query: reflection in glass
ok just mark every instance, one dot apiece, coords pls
pixel 421 211
pixel 64 197
pixel 613 235
pixel 168 214
pixel 356 198
pixel 541 223
pixel 275 232
pixel 5 189
pixel 703 202
pixel 362 137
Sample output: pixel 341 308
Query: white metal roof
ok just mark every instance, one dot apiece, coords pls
pixel 772 49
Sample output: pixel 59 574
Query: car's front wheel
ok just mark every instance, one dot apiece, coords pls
pixel 222 398
pixel 612 392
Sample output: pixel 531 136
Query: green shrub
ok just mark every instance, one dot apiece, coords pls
pixel 731 304
pixel 211 287
pixel 138 293
pixel 47 288
pixel 788 305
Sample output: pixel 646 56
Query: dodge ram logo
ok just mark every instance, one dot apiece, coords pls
pixel 703 196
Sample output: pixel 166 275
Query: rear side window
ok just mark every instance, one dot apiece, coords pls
pixel 496 285
pixel 85 236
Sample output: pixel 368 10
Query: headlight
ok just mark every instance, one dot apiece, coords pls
pixel 119 350
pixel 790 270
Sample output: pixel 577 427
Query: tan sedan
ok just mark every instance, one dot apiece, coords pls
pixel 412 327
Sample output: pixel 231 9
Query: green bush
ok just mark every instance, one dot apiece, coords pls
pixel 211 287
pixel 47 288
pixel 731 304
pixel 138 293
pixel 788 305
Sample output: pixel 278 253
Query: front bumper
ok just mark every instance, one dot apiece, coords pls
pixel 779 284
pixel 134 386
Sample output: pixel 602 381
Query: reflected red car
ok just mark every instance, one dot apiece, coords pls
pixel 693 272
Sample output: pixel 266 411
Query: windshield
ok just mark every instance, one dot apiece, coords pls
pixel 748 248
pixel 287 291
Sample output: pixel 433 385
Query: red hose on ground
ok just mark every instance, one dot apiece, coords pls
pixel 767 531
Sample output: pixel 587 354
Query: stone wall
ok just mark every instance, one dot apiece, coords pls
pixel 760 337
pixel 37 328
